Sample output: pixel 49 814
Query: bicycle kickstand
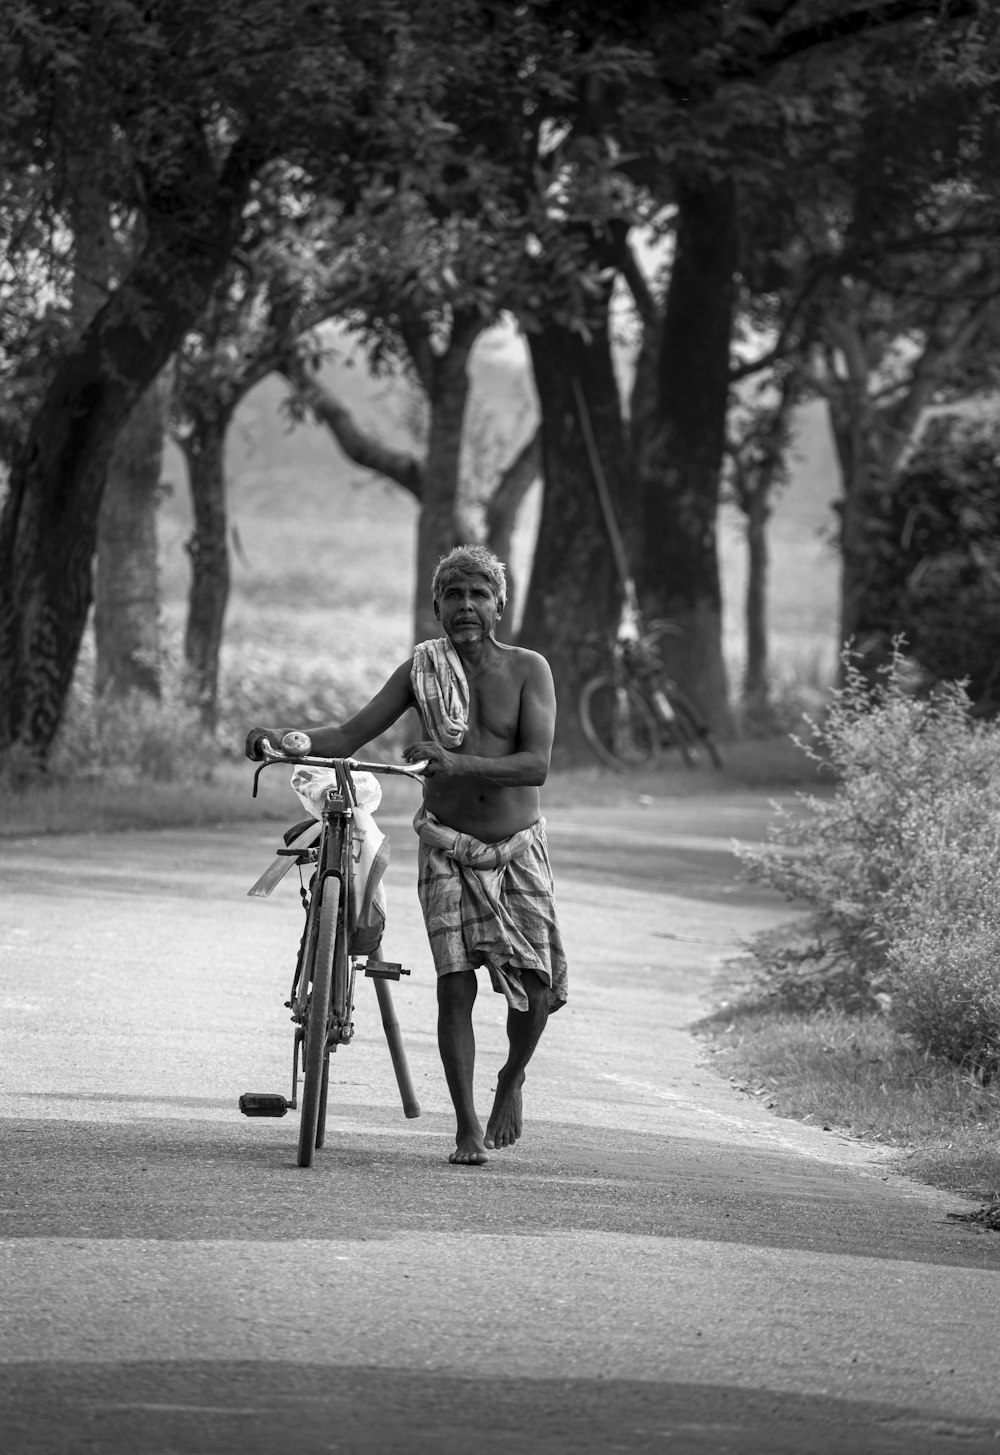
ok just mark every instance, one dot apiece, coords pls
pixel 385 971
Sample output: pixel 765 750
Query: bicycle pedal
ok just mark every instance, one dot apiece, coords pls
pixel 263 1104
pixel 384 970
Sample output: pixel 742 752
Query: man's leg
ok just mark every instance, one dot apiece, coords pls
pixel 457 1044
pixel 524 1028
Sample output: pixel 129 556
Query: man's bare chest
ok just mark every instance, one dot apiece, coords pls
pixel 494 711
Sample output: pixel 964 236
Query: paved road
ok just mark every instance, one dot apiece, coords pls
pixel 659 1265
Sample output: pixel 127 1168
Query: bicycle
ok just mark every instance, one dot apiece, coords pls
pixel 635 711
pixel 322 994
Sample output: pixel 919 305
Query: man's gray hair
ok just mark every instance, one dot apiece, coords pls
pixel 470 561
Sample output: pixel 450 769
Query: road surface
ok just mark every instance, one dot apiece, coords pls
pixel 659 1265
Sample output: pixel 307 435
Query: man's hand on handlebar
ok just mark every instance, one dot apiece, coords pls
pixel 254 737
pixel 431 756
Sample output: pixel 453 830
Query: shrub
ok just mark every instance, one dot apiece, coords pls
pixel 897 865
pixel 944 962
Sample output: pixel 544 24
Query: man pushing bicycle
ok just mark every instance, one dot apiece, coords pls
pixel 488 713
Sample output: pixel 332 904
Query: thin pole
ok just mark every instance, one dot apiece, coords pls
pixel 604 495
pixel 411 1107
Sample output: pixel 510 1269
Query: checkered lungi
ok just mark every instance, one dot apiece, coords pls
pixel 492 905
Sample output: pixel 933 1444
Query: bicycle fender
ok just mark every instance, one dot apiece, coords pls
pixel 280 866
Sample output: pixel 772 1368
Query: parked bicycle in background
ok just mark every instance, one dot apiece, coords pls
pixel 634 712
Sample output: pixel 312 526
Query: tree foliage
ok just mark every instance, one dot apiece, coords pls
pixel 935 555
pixel 457 160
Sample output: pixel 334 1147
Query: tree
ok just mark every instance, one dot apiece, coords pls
pixel 719 101
pixel 126 587
pixel 875 273
pixel 574 593
pixel 431 270
pixel 126 582
pixel 392 272
pixel 201 98
pixel 934 559
pixel 759 432
pixel 533 135
pixel 680 444
pixel 278 283
pixel 499 493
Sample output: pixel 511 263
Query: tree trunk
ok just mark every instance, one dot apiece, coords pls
pixel 868 639
pixel 208 548
pixel 48 526
pixel 679 435
pixel 501 518
pixel 756 677
pixel 447 384
pixel 574 595
pixel 127 605
pixel 127 595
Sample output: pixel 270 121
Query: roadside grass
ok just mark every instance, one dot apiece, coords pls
pixel 878 1013
pixel 107 804
pixel 854 1074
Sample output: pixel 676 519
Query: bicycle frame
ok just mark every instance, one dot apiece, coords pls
pixel 332 860
pixel 639 663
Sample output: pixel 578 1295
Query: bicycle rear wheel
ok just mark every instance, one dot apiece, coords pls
pixel 694 730
pixel 618 725
pixel 316 1053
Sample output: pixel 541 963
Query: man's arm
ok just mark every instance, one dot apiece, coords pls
pixel 528 765
pixel 342 740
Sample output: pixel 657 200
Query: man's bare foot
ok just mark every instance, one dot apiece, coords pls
pixel 470 1150
pixel 505 1124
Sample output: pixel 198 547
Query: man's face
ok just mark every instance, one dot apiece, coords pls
pixel 467 609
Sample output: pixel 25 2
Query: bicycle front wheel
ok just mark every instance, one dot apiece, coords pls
pixel 315 1050
pixel 618 725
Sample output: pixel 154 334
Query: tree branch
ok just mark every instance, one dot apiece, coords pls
pixel 364 449
pixel 645 301
pixel 847 27
pixel 514 484
pixel 417 340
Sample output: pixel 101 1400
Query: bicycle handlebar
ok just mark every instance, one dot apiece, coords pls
pixel 295 750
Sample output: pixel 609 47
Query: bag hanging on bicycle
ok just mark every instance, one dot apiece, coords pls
pixel 369 859
pixel 369 852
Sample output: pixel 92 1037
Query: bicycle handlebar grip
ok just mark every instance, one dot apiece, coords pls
pixel 298 745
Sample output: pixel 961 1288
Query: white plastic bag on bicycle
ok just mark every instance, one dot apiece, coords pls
pixel 369 850
pixel 313 784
